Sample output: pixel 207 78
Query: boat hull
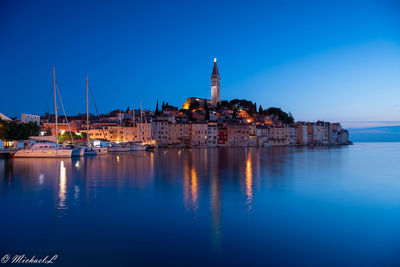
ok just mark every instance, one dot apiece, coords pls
pixel 92 151
pixel 138 148
pixel 119 149
pixel 102 151
pixel 43 153
pixel 78 152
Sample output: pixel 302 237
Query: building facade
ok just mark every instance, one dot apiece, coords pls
pixel 238 134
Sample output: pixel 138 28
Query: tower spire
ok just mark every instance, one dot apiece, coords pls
pixel 215 85
pixel 215 72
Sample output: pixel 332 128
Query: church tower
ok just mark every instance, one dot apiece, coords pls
pixel 215 85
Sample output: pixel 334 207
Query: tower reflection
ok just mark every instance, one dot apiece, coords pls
pixel 215 202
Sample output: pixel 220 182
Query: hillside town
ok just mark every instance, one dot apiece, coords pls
pixel 198 122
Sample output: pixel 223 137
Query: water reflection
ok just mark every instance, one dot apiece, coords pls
pixel 199 183
pixel 249 181
pixel 215 206
pixel 62 191
pixel 194 189
pixel 193 207
pixel 190 182
pixel 41 178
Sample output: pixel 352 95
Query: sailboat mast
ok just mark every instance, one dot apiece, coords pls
pixel 141 121
pixel 55 103
pixel 133 115
pixel 87 110
pixel 141 113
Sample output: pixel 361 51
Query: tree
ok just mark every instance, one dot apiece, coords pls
pixel 157 111
pixel 291 118
pixel 194 105
pixel 260 110
pixel 163 106
pixel 127 109
pixel 69 136
pixel 47 132
pixel 234 113
pixel 10 130
pixel 281 115
pixel 207 110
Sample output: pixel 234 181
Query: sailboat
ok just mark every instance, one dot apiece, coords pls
pixel 91 150
pixel 46 150
pixel 138 146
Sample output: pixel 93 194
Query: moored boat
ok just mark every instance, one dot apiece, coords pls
pixel 44 150
pixel 78 152
pixel 137 147
pixel 119 148
pixel 47 149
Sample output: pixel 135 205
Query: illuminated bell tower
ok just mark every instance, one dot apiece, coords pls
pixel 215 85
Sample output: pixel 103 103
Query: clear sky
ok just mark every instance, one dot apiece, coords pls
pixel 331 60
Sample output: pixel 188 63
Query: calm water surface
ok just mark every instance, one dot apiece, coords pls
pixel 237 206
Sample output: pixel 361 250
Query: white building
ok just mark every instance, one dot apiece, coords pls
pixel 291 135
pixel 26 118
pixel 277 135
pixel 261 132
pixel 212 135
pixel 4 117
pixel 302 133
pixel 199 134
pixel 160 132
pixel 143 132
pixel 319 132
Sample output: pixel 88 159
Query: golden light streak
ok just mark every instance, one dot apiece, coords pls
pixel 249 181
pixel 62 193
pixel 194 188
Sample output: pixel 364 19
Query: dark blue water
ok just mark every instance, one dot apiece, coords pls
pixel 277 206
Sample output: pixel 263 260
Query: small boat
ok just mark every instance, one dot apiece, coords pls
pixel 101 150
pixel 78 152
pixel 90 151
pixel 94 150
pixel 150 147
pixel 44 150
pixel 138 147
pixel 119 148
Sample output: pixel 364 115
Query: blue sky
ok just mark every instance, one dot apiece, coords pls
pixel 330 60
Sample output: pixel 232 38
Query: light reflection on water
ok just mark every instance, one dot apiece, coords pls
pixel 62 191
pixel 233 206
pixel 249 181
